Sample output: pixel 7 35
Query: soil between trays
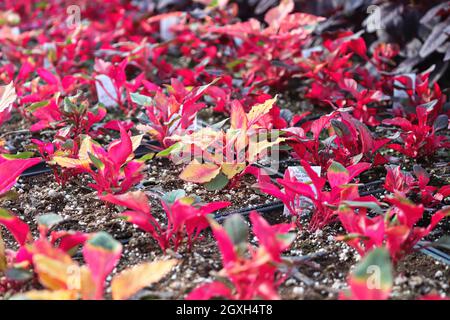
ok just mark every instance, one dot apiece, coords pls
pixel 164 175
pixel 321 277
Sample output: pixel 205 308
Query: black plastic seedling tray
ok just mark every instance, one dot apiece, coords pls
pixel 42 167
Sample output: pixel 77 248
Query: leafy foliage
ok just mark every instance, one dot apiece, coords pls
pixel 219 154
pixel 185 218
pixel 296 193
pixel 396 229
pixel 250 276
pixel 113 170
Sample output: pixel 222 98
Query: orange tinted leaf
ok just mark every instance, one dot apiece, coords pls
pixel 238 118
pixel 199 172
pixel 88 288
pixel 232 169
pixel 130 281
pixel 66 162
pixel 48 295
pixel 260 110
pixel 55 274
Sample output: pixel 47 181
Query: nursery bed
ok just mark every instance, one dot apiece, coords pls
pixel 321 276
pixel 165 70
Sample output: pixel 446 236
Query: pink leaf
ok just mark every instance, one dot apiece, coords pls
pixel 120 150
pixel 18 228
pixel 211 290
pixel 101 253
pixel 10 170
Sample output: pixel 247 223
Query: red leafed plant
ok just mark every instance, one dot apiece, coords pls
pixel 217 157
pixel 250 272
pixel 348 141
pixel 417 137
pixel 263 54
pixel 73 119
pixel 58 241
pixel 185 219
pixel 396 229
pixel 74 116
pixel 403 183
pixel 49 256
pixel 296 194
pixel 419 93
pixel 113 170
pixel 331 71
pixel 170 115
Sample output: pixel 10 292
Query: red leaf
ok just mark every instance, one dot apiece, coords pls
pixel 18 228
pixel 101 253
pixel 10 170
pixel 120 150
pixel 211 290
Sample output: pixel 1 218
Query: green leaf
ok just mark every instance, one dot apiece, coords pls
pixel 237 229
pixel 169 150
pixel 375 266
pixel 172 196
pixel 96 161
pixel 49 220
pixel 364 204
pixel 69 107
pixel 18 274
pixel 20 155
pixel 234 63
pixel 146 157
pixel 104 240
pixel 33 107
pixel 141 99
pixel 218 183
pixel 68 144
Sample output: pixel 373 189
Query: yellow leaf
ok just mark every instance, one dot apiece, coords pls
pixel 130 281
pixel 256 150
pixel 136 141
pixel 88 289
pixel 61 274
pixel 199 172
pixel 260 110
pixel 66 162
pixel 202 138
pixel 48 295
pixel 85 148
pixel 232 169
